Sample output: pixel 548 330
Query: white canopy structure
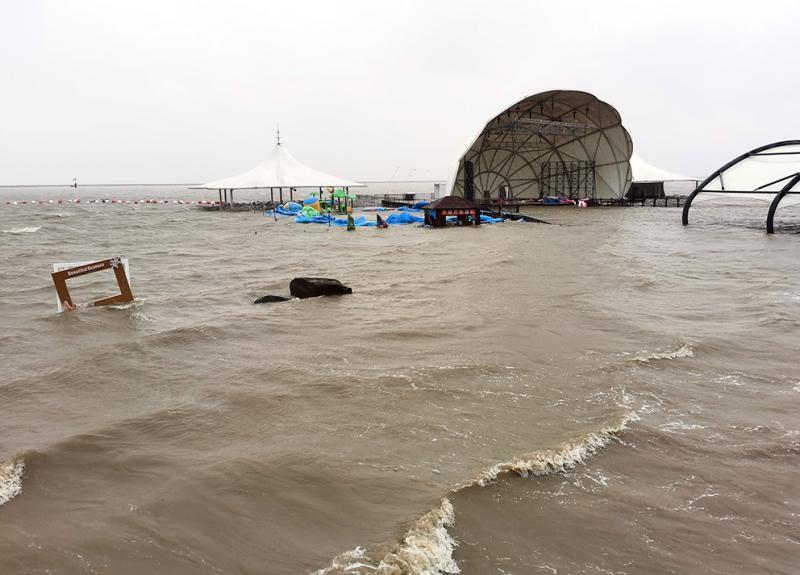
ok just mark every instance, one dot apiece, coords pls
pixel 645 172
pixel 559 143
pixel 280 170
pixel 651 182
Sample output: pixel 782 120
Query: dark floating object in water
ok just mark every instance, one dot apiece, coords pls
pixel 518 217
pixel 314 287
pixel 271 299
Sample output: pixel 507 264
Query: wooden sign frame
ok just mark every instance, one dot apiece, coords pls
pixel 64 271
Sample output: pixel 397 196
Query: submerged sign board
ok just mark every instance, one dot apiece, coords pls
pixel 64 271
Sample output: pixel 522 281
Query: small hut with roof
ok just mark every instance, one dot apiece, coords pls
pixel 436 212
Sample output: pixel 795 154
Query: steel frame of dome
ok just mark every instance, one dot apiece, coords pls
pixel 786 184
pixel 563 139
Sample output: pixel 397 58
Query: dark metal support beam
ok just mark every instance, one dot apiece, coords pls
pixel 777 200
pixel 756 152
pixel 469 183
pixel 772 183
pixel 687 205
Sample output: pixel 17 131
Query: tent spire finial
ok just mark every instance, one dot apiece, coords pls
pixel 279 134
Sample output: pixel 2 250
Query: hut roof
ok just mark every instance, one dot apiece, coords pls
pixel 451 203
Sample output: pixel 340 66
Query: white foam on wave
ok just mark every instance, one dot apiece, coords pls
pixel 563 458
pixel 28 230
pixel 683 351
pixel 10 479
pixel 427 549
pixel 677 426
pixel 354 561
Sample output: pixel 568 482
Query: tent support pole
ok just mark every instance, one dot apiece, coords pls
pixel 219 206
pixel 686 206
pixel 777 200
pixel 291 194
pixel 280 194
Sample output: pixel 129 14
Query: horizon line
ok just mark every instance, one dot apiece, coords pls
pixel 432 181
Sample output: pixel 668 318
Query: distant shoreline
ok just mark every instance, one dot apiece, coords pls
pixel 194 184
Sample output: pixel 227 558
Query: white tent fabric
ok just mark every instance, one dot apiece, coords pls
pixel 545 138
pixel 644 172
pixel 279 170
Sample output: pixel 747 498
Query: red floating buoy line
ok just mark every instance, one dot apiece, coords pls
pixel 110 201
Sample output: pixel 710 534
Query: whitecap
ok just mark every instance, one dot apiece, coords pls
pixel 549 461
pixel 348 562
pixel 427 548
pixel 10 479
pixel 683 351
pixel 678 426
pixel 27 230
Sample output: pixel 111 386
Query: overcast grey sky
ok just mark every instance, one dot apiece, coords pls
pixel 189 91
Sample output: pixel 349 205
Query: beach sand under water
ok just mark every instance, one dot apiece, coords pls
pixel 611 394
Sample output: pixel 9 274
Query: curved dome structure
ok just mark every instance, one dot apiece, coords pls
pixel 560 143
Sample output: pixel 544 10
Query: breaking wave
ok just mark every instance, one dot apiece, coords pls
pixel 10 479
pixel 548 461
pixel 685 350
pixel 28 230
pixel 427 548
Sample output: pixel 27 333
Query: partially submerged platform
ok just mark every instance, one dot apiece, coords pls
pixel 238 206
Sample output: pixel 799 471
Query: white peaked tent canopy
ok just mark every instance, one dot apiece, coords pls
pixel 279 170
pixel 644 172
pixel 555 143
